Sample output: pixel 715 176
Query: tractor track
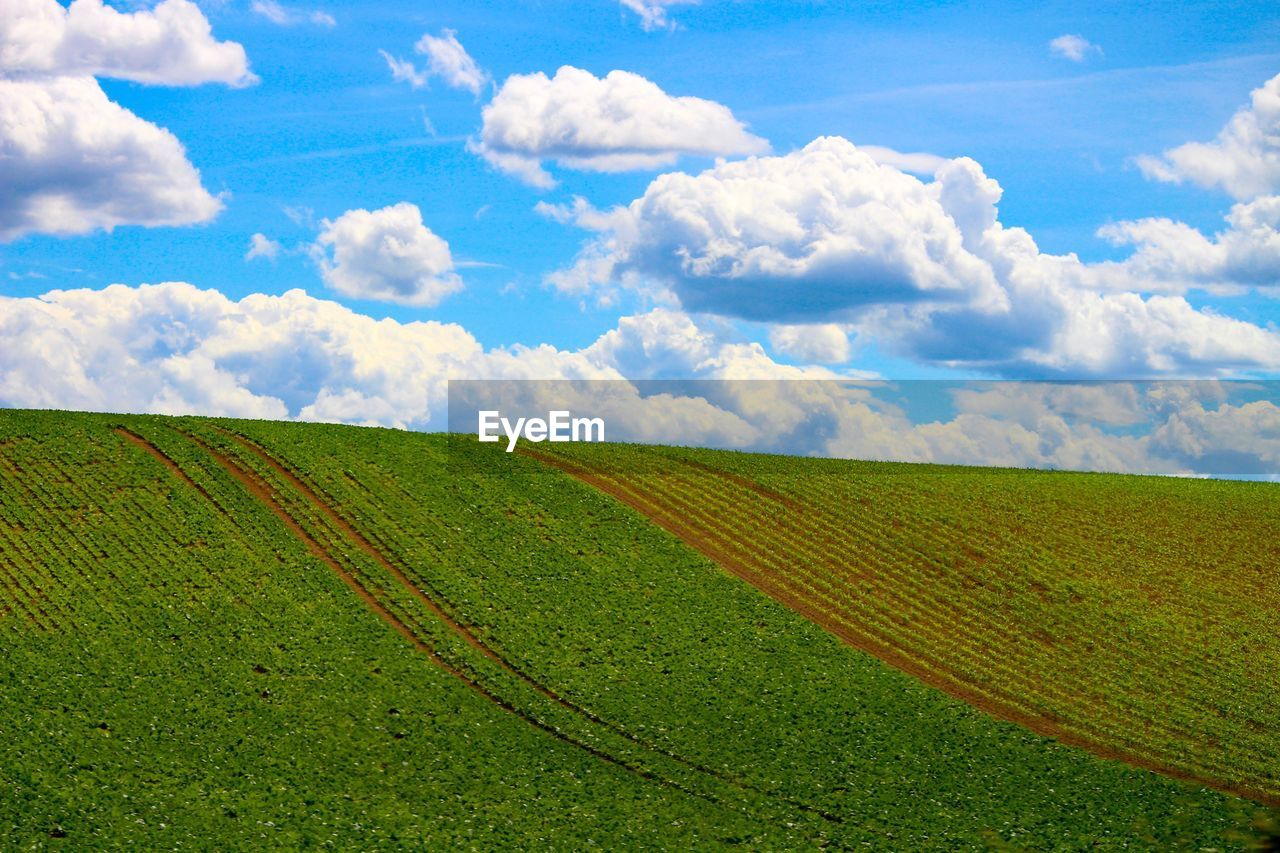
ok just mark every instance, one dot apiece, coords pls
pixel 262 490
pixel 264 493
pixel 442 613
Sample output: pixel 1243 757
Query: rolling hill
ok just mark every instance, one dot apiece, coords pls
pixel 238 634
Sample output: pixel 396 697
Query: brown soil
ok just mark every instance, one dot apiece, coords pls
pixel 940 679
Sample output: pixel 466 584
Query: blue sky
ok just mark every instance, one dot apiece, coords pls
pixel 323 128
pixel 327 128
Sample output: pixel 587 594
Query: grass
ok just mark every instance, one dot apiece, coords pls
pixel 238 634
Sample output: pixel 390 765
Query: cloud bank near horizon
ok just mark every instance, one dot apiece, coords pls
pixel 175 349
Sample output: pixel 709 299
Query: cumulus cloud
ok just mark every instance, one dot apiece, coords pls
pixel 1073 47
pixel 1173 256
pixel 387 255
pixel 806 236
pixel 617 123
pixel 1244 160
pixel 262 246
pixel 823 343
pixel 829 234
pixel 1233 439
pixel 72 161
pixel 173 348
pixel 171 44
pixel 446 59
pixel 664 343
pixel 653 13
pixel 287 16
pixel 1152 427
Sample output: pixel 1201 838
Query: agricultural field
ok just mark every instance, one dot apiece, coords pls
pixel 235 634
pixel 1134 616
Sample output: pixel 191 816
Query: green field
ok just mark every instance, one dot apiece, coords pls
pixel 231 634
pixel 1136 616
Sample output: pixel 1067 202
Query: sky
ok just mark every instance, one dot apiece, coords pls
pixel 327 210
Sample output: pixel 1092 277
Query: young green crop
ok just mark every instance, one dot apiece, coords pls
pixel 320 634
pixel 1132 614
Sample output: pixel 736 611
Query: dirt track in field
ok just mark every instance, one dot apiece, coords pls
pixel 265 494
pixel 761 577
pixel 488 651
pixel 262 491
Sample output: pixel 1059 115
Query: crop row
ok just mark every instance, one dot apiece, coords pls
pixel 940 590
pixel 903 623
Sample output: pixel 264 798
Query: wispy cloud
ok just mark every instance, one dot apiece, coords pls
pixel 1131 76
pixel 446 59
pixel 352 151
pixel 288 16
pixel 1073 47
pixel 653 13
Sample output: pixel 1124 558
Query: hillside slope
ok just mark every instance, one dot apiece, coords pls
pixel 282 633
pixel 1135 616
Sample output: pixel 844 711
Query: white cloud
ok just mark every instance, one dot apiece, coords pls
pixel 653 13
pixel 810 235
pixel 287 16
pixel 620 122
pixel 273 12
pixel 1073 47
pixel 1250 430
pixel 827 234
pixel 404 71
pixel 1153 428
pixel 262 246
pixel 915 162
pixel 72 161
pixel 386 254
pixel 173 348
pixel 823 343
pixel 1244 160
pixel 171 44
pixel 1111 404
pixel 448 59
pixel 664 343
pixel 1173 257
pixel 300 215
